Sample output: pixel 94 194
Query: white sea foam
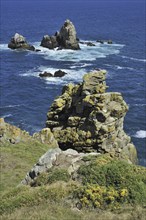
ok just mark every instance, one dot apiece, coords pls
pixel 139 104
pixel 72 75
pixel 87 53
pixel 80 65
pixel 7 116
pixel 10 106
pixel 4 47
pixel 135 59
pixel 119 67
pixel 140 134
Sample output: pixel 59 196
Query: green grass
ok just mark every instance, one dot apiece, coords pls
pixel 17 160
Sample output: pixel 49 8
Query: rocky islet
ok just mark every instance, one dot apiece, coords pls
pixel 66 38
pixel 19 42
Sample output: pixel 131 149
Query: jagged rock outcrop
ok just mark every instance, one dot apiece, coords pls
pixel 87 118
pixel 19 42
pixel 66 38
pixel 10 134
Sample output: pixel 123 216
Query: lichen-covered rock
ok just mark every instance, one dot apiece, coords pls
pixel 45 136
pixel 19 42
pixel 65 39
pixel 87 118
pixel 12 134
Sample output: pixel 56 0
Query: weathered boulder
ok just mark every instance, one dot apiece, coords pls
pixel 19 42
pixel 66 38
pixel 87 118
pixel 69 159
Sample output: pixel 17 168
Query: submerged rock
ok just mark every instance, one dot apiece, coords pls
pixel 65 39
pixel 19 42
pixel 87 118
pixel 87 43
pixel 104 41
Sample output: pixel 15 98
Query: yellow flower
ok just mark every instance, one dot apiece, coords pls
pixel 124 192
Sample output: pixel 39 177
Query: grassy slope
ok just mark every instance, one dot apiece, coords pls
pixel 17 160
pixel 44 202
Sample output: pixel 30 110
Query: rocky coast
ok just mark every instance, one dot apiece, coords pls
pixel 87 161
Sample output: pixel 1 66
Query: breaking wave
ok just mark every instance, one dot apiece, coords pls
pixel 140 134
pixel 87 53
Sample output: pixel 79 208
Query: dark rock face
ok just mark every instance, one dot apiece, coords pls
pixel 19 42
pixel 58 73
pixel 66 38
pixel 45 74
pixel 49 42
pixel 87 119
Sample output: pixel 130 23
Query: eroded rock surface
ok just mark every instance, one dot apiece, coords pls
pixel 87 118
pixel 19 42
pixel 12 134
pixel 66 38
pixel 70 159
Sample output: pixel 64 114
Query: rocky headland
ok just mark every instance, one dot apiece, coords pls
pixel 85 120
pixel 87 161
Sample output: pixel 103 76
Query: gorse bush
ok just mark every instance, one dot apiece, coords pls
pixel 97 196
pixel 112 182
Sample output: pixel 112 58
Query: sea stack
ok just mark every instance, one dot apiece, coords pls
pixel 65 39
pixel 86 118
pixel 19 42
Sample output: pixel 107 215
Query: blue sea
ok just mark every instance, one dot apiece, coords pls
pixel 26 98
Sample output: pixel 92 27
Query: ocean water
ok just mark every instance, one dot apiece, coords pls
pixel 25 98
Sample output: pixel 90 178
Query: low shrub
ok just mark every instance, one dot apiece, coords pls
pixel 53 175
pixel 112 182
